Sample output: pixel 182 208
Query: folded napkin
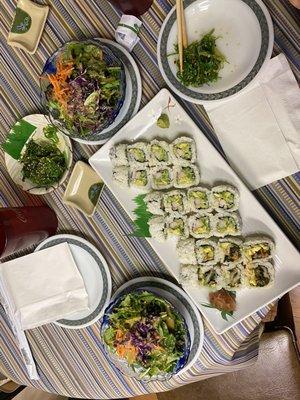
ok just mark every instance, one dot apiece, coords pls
pixel 259 128
pixel 43 287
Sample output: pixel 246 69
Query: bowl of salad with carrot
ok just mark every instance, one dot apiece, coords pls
pixel 83 88
pixel 145 336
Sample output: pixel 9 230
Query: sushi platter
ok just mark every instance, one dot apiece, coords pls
pixel 205 225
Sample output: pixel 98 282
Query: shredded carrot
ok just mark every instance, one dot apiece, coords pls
pixel 59 81
pixel 119 334
pixel 127 351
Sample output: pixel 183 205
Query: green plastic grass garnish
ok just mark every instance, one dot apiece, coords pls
pixel 142 218
pixel 17 138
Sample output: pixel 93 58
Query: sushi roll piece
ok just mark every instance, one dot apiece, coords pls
pixel 159 153
pixel 233 276
pixel 157 228
pixel 259 274
pixel 118 154
pixel 121 175
pixel 183 151
pixel 207 252
pixel 186 251
pixel 154 203
pixel 175 201
pixel 139 177
pixel 186 176
pixel 188 275
pixel 177 226
pixel 225 198
pixel 227 224
pixel 230 250
pixel 199 199
pixel 258 248
pixel 200 225
pixel 138 153
pixel 211 277
pixel 161 177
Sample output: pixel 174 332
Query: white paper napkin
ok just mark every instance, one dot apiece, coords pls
pixel 259 129
pixel 43 287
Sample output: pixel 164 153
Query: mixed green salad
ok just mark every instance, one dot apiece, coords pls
pixel 202 61
pixel 145 331
pixel 83 91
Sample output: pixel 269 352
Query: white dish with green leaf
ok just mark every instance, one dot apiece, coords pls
pixel 38 157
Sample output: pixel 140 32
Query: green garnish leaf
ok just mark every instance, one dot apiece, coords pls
pixel 17 138
pixel 143 217
pixel 94 192
pixel 163 121
pixel 50 132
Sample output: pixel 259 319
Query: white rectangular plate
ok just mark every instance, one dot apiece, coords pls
pixel 213 168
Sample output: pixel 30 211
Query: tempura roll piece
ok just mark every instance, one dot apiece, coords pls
pixel 225 198
pixel 207 252
pixel 188 275
pixel 210 276
pixel 259 274
pixel 230 250
pixel 233 276
pixel 258 248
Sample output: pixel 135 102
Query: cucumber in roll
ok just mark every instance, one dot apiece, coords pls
pixel 138 153
pixel 139 177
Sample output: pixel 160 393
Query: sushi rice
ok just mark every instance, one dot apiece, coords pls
pixel 177 226
pixel 259 274
pixel 139 177
pixel 186 176
pixel 157 228
pixel 175 201
pixel 199 198
pixel 186 251
pixel 188 275
pixel 138 153
pixel 233 276
pixel 183 151
pixel 201 225
pixel 161 177
pixel 211 277
pixel 225 223
pixel 154 203
pixel 225 198
pixel 118 154
pixel 159 153
pixel 207 252
pixel 121 176
pixel 258 248
pixel 230 250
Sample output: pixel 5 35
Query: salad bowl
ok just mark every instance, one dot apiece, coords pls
pixel 179 304
pixel 94 79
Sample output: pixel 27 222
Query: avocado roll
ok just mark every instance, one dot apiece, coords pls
pixel 118 154
pixel 200 225
pixel 188 275
pixel 199 198
pixel 154 203
pixel 161 177
pixel 139 177
pixel 209 276
pixel 227 224
pixel 183 151
pixel 175 201
pixel 206 252
pixel 177 226
pixel 121 175
pixel 138 153
pixel 157 227
pixel 186 176
pixel 230 250
pixel 233 276
pixel 186 251
pixel 225 198
pixel 258 248
pixel 259 274
pixel 159 153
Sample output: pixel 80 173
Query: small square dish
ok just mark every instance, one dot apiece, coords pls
pixel 84 189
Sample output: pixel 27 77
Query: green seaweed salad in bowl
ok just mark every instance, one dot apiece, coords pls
pixel 145 336
pixel 83 88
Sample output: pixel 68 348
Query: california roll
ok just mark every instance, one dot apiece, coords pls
pixel 199 198
pixel 175 201
pixel 118 154
pixel 186 176
pixel 157 228
pixel 186 251
pixel 139 177
pixel 225 198
pixel 177 226
pixel 161 177
pixel 183 150
pixel 138 153
pixel 201 225
pixel 154 203
pixel 227 224
pixel 121 175
pixel 159 153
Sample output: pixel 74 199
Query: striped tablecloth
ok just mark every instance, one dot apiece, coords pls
pixel 72 362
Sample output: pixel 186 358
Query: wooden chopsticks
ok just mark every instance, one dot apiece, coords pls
pixel 182 33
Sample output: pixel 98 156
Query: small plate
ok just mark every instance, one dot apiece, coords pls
pixel 180 301
pixel 95 274
pixel 245 36
pixel 14 167
pixel 83 189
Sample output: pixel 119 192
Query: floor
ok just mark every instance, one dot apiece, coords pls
pixel 295 300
